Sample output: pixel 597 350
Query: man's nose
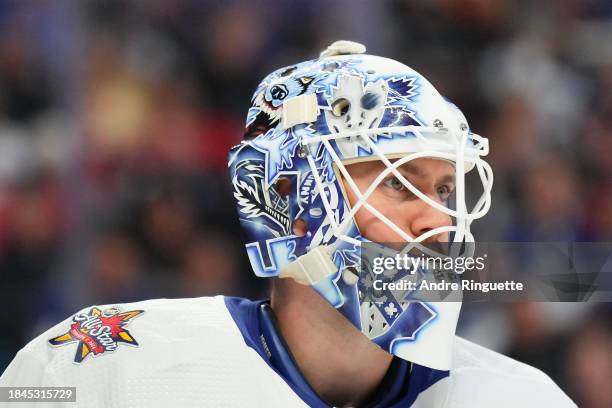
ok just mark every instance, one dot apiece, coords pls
pixel 428 218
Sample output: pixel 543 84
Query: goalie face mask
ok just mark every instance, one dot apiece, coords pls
pixel 291 182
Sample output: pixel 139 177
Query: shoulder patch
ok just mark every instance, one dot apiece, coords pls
pixel 97 332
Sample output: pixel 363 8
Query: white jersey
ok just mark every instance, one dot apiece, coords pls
pixel 191 353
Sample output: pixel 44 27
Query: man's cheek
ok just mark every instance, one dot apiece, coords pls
pixel 380 232
pixel 370 226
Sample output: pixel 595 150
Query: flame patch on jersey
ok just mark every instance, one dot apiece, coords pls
pixel 97 332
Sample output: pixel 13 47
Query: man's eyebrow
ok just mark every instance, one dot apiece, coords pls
pixel 412 169
pixel 449 178
pixel 417 171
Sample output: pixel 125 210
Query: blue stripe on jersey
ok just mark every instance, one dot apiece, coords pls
pixel 250 322
pixel 399 388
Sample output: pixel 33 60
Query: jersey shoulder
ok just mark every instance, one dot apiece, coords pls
pixel 155 353
pixel 100 329
pixel 102 337
pixel 483 376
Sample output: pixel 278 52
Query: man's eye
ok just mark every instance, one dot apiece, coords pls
pixel 395 184
pixel 444 192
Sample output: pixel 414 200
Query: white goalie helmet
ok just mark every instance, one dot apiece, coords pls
pixel 308 122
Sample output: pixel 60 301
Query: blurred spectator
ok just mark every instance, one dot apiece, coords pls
pixel 535 341
pixel 33 233
pixel 210 266
pixel 117 274
pixel 589 368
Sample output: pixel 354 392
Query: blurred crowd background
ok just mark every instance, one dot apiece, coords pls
pixel 116 118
